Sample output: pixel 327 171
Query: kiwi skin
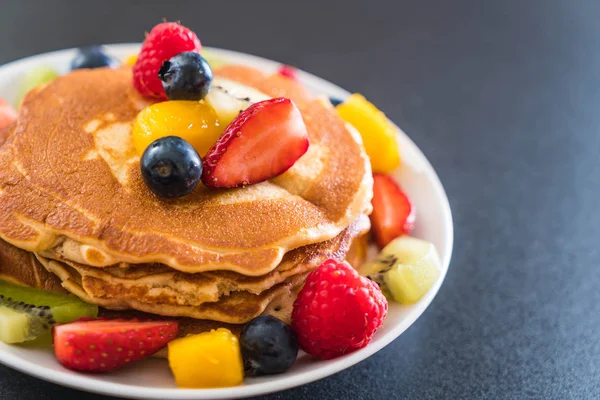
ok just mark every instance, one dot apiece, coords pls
pixel 29 314
pixel 42 313
pixel 54 308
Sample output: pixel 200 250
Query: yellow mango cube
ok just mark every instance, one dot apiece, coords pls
pixel 207 360
pixel 378 134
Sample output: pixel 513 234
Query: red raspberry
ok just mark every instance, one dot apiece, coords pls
pixel 288 72
pixel 163 42
pixel 337 311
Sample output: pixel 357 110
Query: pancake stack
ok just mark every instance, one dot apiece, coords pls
pixel 76 214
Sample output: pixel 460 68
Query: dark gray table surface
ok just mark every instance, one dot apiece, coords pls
pixel 504 98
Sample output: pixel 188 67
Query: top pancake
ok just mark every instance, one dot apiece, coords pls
pixel 71 178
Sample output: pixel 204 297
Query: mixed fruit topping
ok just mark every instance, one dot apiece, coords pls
pixel 206 130
pixel 243 136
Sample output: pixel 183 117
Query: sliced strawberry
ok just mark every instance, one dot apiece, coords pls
pixel 393 214
pixel 288 72
pixel 263 141
pixel 102 345
pixel 8 115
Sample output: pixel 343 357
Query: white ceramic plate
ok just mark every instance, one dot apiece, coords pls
pixel 151 379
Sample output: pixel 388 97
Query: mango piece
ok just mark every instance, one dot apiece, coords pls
pixel 207 360
pixel 195 122
pixel 378 134
pixel 131 60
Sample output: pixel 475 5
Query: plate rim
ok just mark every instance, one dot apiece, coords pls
pixel 90 384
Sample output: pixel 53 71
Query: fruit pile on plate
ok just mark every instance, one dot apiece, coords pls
pixel 198 129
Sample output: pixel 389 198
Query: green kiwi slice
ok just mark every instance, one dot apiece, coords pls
pixel 27 313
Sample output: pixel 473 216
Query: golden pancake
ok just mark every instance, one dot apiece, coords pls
pixel 5 133
pixel 160 285
pixel 71 182
pixel 22 267
pixel 219 296
pixel 237 308
pixel 357 253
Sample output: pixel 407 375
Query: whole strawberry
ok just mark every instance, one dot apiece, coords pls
pixel 337 311
pixel 163 42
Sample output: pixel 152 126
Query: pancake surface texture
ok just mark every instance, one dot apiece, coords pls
pixel 70 186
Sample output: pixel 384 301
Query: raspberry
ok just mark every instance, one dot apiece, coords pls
pixel 288 72
pixel 337 311
pixel 163 42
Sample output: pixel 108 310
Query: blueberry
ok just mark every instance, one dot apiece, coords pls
pixel 335 101
pixel 171 167
pixel 92 57
pixel 187 76
pixel 269 346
